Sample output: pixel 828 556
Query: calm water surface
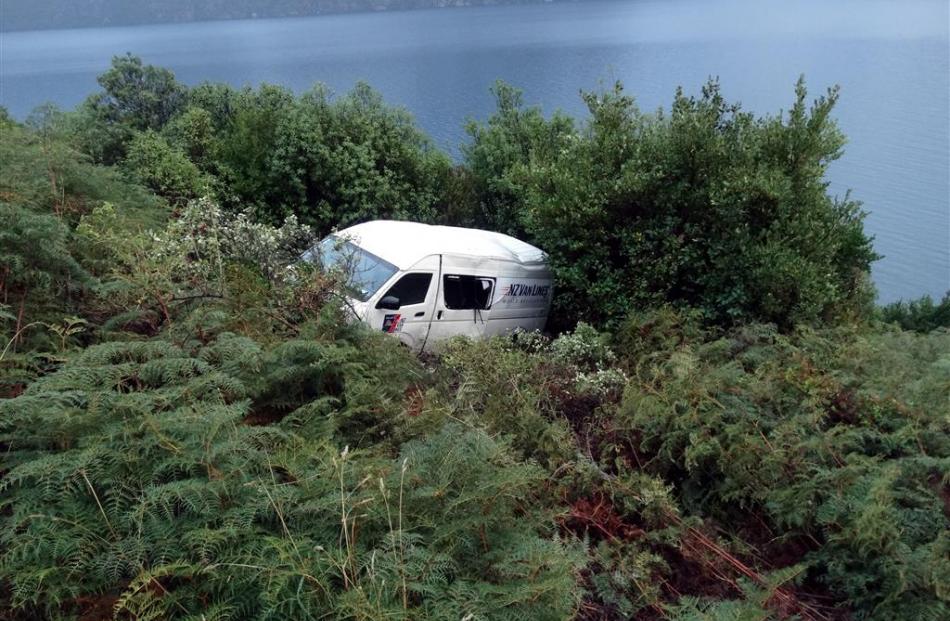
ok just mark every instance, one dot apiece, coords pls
pixel 890 58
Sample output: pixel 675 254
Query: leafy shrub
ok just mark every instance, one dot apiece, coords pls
pixel 722 211
pixel 708 207
pixel 193 132
pixel 205 234
pixel 163 169
pixel 330 162
pixel 134 97
pixel 514 136
pixel 922 315
pixel 138 95
pixel 189 261
pixel 586 352
pixel 582 348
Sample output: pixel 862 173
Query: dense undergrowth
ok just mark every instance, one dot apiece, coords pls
pixel 809 467
pixel 190 430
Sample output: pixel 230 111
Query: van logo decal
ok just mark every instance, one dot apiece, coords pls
pixel 392 323
pixel 517 290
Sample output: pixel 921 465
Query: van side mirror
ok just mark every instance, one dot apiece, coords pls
pixel 390 302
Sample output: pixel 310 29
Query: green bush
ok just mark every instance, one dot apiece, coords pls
pixel 331 162
pixel 733 474
pixel 514 136
pixel 163 169
pixel 720 210
pixel 193 132
pixel 194 259
pixel 707 207
pixel 922 315
pixel 134 97
pixel 497 385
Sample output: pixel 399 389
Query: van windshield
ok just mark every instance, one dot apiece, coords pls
pixel 365 272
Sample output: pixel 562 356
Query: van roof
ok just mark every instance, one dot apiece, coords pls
pixel 405 243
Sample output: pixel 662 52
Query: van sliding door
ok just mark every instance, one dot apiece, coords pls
pixel 462 305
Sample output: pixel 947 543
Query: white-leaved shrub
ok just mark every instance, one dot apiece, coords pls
pixel 206 234
pixel 586 351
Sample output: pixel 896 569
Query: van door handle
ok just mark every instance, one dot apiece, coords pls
pixel 419 314
pixel 439 315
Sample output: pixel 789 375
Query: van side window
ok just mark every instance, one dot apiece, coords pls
pixel 411 288
pixel 467 292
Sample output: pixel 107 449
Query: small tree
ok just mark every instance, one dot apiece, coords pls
pixel 708 207
pixel 135 97
pixel 332 162
pixel 138 95
pixel 514 136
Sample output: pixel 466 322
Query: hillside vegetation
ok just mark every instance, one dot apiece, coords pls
pixel 721 424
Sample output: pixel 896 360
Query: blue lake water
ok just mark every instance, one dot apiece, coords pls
pixel 892 60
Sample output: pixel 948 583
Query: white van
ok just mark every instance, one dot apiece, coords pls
pixel 427 283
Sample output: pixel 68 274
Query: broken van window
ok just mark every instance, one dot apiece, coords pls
pixel 467 292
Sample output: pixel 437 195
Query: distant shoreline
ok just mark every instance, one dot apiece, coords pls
pixel 25 15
